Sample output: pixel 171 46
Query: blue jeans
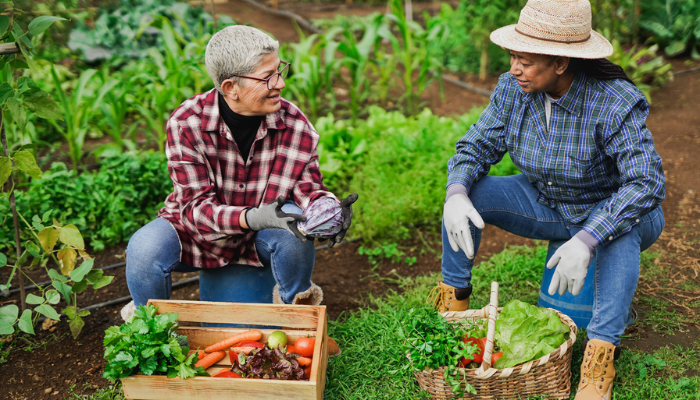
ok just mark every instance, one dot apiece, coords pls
pixel 510 203
pixel 153 253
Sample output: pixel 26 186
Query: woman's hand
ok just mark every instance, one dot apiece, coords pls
pixel 457 213
pixel 572 260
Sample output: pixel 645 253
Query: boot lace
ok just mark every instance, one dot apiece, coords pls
pixel 435 297
pixel 594 367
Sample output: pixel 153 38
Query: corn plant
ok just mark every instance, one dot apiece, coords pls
pixel 116 107
pixel 411 48
pixel 314 70
pixel 79 108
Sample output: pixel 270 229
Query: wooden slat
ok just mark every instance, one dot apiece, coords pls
pixel 203 337
pixel 164 388
pixel 283 315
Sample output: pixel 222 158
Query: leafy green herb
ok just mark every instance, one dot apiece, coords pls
pixel 433 342
pixel 149 344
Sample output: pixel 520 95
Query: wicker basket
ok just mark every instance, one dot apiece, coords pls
pixel 549 375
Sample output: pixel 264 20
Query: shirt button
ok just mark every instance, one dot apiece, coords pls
pixel 549 183
pixel 610 238
pixel 637 220
pixel 241 186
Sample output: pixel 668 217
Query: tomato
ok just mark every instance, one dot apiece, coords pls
pixel 495 357
pixel 477 357
pixel 224 373
pixel 305 346
pixel 290 349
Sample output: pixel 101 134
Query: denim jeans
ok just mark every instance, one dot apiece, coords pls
pixel 153 253
pixel 510 203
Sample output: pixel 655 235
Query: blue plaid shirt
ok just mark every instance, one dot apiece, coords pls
pixel 597 148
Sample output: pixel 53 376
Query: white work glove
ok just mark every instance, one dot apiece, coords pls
pixel 572 260
pixel 457 213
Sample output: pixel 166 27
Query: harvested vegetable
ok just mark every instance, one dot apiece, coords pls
pixel 304 361
pixel 277 339
pixel 268 363
pixel 305 346
pixel 324 218
pixel 247 336
pixel 333 348
pixel 149 344
pixel 210 359
pixel 224 373
pixel 525 332
pixel 477 356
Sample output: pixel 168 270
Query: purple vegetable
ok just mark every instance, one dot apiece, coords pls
pixel 324 218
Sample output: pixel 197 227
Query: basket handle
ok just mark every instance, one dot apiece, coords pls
pixel 492 310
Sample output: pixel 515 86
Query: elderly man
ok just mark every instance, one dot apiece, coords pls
pixel 574 124
pixel 244 165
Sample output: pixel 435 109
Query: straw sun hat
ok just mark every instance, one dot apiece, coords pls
pixel 556 28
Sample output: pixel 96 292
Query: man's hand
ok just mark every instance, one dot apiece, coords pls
pixel 346 204
pixel 271 216
pixel 572 260
pixel 457 213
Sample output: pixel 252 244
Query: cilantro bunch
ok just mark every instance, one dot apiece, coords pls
pixel 148 343
pixel 433 342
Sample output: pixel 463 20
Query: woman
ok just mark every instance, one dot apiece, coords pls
pixel 574 125
pixel 244 165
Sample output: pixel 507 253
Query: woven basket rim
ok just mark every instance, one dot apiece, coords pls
pixel 558 352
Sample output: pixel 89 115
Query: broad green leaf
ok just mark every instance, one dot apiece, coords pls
pixel 5 169
pixel 43 105
pixel 3 260
pixel 102 282
pixel 34 299
pixel 79 273
pixel 70 312
pixel 80 286
pixel 76 325
pixel 47 311
pixel 48 238
pixel 83 313
pixel 23 258
pixel 94 275
pixel 40 24
pixel 18 112
pixel 26 162
pixel 8 316
pixel 5 91
pixel 55 275
pixel 25 322
pixel 71 236
pixel 65 290
pixel 32 248
pixel 4 24
pixel 675 48
pixel 66 258
pixel 52 296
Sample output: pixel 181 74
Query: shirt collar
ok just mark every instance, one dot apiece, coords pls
pixel 212 121
pixel 572 101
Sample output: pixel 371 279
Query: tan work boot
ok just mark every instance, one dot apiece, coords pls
pixel 597 371
pixel 444 298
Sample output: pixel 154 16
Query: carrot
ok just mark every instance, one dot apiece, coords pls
pixel 247 336
pixel 210 359
pixel 304 361
pixel 243 349
pixel 201 354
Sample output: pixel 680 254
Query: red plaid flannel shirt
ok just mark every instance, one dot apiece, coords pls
pixel 212 185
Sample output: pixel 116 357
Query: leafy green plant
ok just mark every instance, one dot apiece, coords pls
pixel 388 251
pixel 116 32
pixel 643 66
pixel 148 343
pixel 674 25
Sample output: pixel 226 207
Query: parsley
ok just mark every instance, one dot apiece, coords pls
pixel 433 342
pixel 149 344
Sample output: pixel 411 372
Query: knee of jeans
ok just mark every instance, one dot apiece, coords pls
pixel 291 208
pixel 146 250
pixel 292 248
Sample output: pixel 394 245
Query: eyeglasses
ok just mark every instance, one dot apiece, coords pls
pixel 272 80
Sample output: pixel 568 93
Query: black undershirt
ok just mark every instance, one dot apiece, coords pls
pixel 242 127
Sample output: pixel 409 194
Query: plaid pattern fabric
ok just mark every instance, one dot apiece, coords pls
pixel 212 184
pixel 597 148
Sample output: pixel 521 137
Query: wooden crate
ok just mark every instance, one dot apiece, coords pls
pixel 295 320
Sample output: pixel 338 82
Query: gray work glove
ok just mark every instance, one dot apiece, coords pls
pixel 346 204
pixel 457 213
pixel 572 260
pixel 271 216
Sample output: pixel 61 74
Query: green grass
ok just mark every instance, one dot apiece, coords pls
pixel 111 392
pixel 372 366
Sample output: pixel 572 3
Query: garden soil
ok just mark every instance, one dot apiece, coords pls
pixel 53 365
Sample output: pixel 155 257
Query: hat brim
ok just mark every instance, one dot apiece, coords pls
pixel 595 47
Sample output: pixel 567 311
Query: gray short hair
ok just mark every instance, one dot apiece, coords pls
pixel 236 50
